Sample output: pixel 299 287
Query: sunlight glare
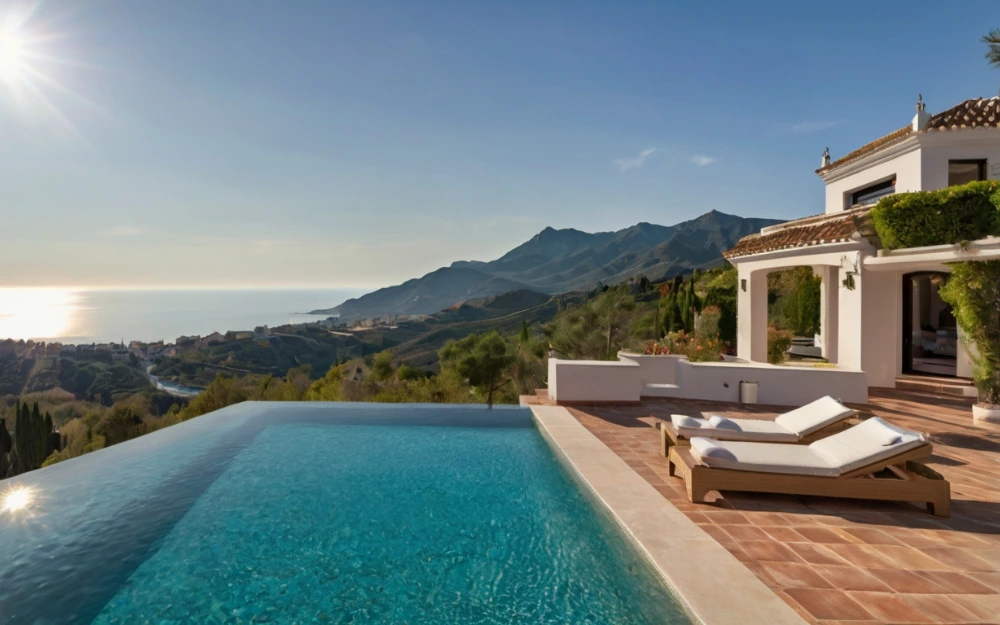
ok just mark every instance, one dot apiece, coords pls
pixel 37 313
pixel 16 499
pixel 11 57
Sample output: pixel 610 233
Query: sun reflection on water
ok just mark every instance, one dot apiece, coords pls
pixel 37 313
pixel 16 499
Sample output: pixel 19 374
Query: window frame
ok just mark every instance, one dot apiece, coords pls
pixel 981 162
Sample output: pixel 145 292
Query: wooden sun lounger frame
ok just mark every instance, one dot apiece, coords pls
pixel 909 481
pixel 670 437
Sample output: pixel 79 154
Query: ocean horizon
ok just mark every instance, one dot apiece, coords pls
pixel 82 316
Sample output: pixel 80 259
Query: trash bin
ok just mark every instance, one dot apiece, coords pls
pixel 748 392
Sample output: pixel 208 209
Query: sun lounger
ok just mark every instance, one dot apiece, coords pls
pixel 811 422
pixel 871 460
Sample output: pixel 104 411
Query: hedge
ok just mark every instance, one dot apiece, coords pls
pixel 952 215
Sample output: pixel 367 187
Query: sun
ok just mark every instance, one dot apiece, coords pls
pixel 12 62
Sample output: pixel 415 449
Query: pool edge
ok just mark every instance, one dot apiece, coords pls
pixel 709 582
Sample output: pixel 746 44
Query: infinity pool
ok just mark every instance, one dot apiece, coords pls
pixel 322 513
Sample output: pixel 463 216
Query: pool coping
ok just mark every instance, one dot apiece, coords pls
pixel 707 580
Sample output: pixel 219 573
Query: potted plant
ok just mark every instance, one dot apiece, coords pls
pixel 973 290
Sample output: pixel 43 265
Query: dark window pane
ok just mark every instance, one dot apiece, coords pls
pixel 962 172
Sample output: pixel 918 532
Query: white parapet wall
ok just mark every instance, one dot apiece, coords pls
pixel 597 381
pixel 634 376
pixel 777 385
pixel 660 369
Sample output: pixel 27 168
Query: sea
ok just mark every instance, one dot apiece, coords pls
pixel 83 316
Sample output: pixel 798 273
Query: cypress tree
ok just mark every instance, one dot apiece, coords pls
pixel 47 437
pixel 525 334
pixel 39 439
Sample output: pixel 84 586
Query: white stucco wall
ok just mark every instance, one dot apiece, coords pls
pixel 777 385
pixel 881 331
pixel 906 167
pixel 593 381
pixel 654 369
pixel 936 149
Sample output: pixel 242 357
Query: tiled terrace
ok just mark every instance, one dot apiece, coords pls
pixel 840 561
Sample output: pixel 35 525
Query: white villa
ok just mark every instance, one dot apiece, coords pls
pixel 881 316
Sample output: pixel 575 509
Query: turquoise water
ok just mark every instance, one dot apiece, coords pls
pixel 359 515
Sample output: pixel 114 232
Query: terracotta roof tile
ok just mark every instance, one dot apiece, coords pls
pixel 809 231
pixel 868 148
pixel 978 113
pixel 975 113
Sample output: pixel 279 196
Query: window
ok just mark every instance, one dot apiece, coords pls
pixel 871 194
pixel 961 172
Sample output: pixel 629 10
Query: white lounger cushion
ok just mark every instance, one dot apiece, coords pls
pixel 863 444
pixel 814 416
pixel 763 457
pixel 869 441
pixel 732 429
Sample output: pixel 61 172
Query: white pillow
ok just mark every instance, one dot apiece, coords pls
pixel 814 416
pixel 684 421
pixel 722 423
pixel 706 448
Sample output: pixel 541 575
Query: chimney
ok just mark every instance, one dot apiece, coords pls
pixel 922 117
pixel 826 158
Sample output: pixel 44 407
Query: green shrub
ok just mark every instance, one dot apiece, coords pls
pixel 778 342
pixel 973 290
pixel 947 216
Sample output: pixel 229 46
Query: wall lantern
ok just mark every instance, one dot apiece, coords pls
pixel 743 284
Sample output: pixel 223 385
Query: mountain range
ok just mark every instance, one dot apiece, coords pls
pixel 558 261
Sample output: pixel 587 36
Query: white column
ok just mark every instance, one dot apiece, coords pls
pixel 849 323
pixel 829 304
pixel 751 323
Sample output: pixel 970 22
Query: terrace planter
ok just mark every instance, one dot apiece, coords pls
pixel 986 414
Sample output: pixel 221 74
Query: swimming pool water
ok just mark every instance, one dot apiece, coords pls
pixel 359 515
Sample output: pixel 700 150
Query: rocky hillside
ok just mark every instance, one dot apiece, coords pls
pixel 558 261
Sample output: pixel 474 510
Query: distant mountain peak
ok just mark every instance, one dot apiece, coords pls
pixel 561 260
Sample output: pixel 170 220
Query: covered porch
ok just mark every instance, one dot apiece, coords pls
pixel 880 311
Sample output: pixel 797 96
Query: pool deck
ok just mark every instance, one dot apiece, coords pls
pixel 837 560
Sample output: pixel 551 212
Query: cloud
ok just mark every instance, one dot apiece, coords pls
pixel 807 128
pixel 125 231
pixel 625 164
pixel 701 160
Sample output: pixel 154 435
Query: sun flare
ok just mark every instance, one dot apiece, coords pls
pixel 12 62
pixel 16 499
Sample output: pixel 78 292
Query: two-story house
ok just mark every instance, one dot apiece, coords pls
pixel 881 313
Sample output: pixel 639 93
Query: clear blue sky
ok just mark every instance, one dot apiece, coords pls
pixel 232 142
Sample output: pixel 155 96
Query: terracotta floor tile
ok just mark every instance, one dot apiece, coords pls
pixel 745 532
pixel 816 554
pixel 828 604
pixel 851 578
pixel 795 575
pixel 698 517
pixel 823 535
pixel 864 556
pixel 960 583
pixel 727 517
pixel 784 534
pixel 871 536
pixel 912 559
pixel 985 607
pixel 959 559
pixel 897 559
pixel 991 580
pixel 941 608
pixel 769 551
pixel 907 581
pixel 772 518
pixel 889 608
